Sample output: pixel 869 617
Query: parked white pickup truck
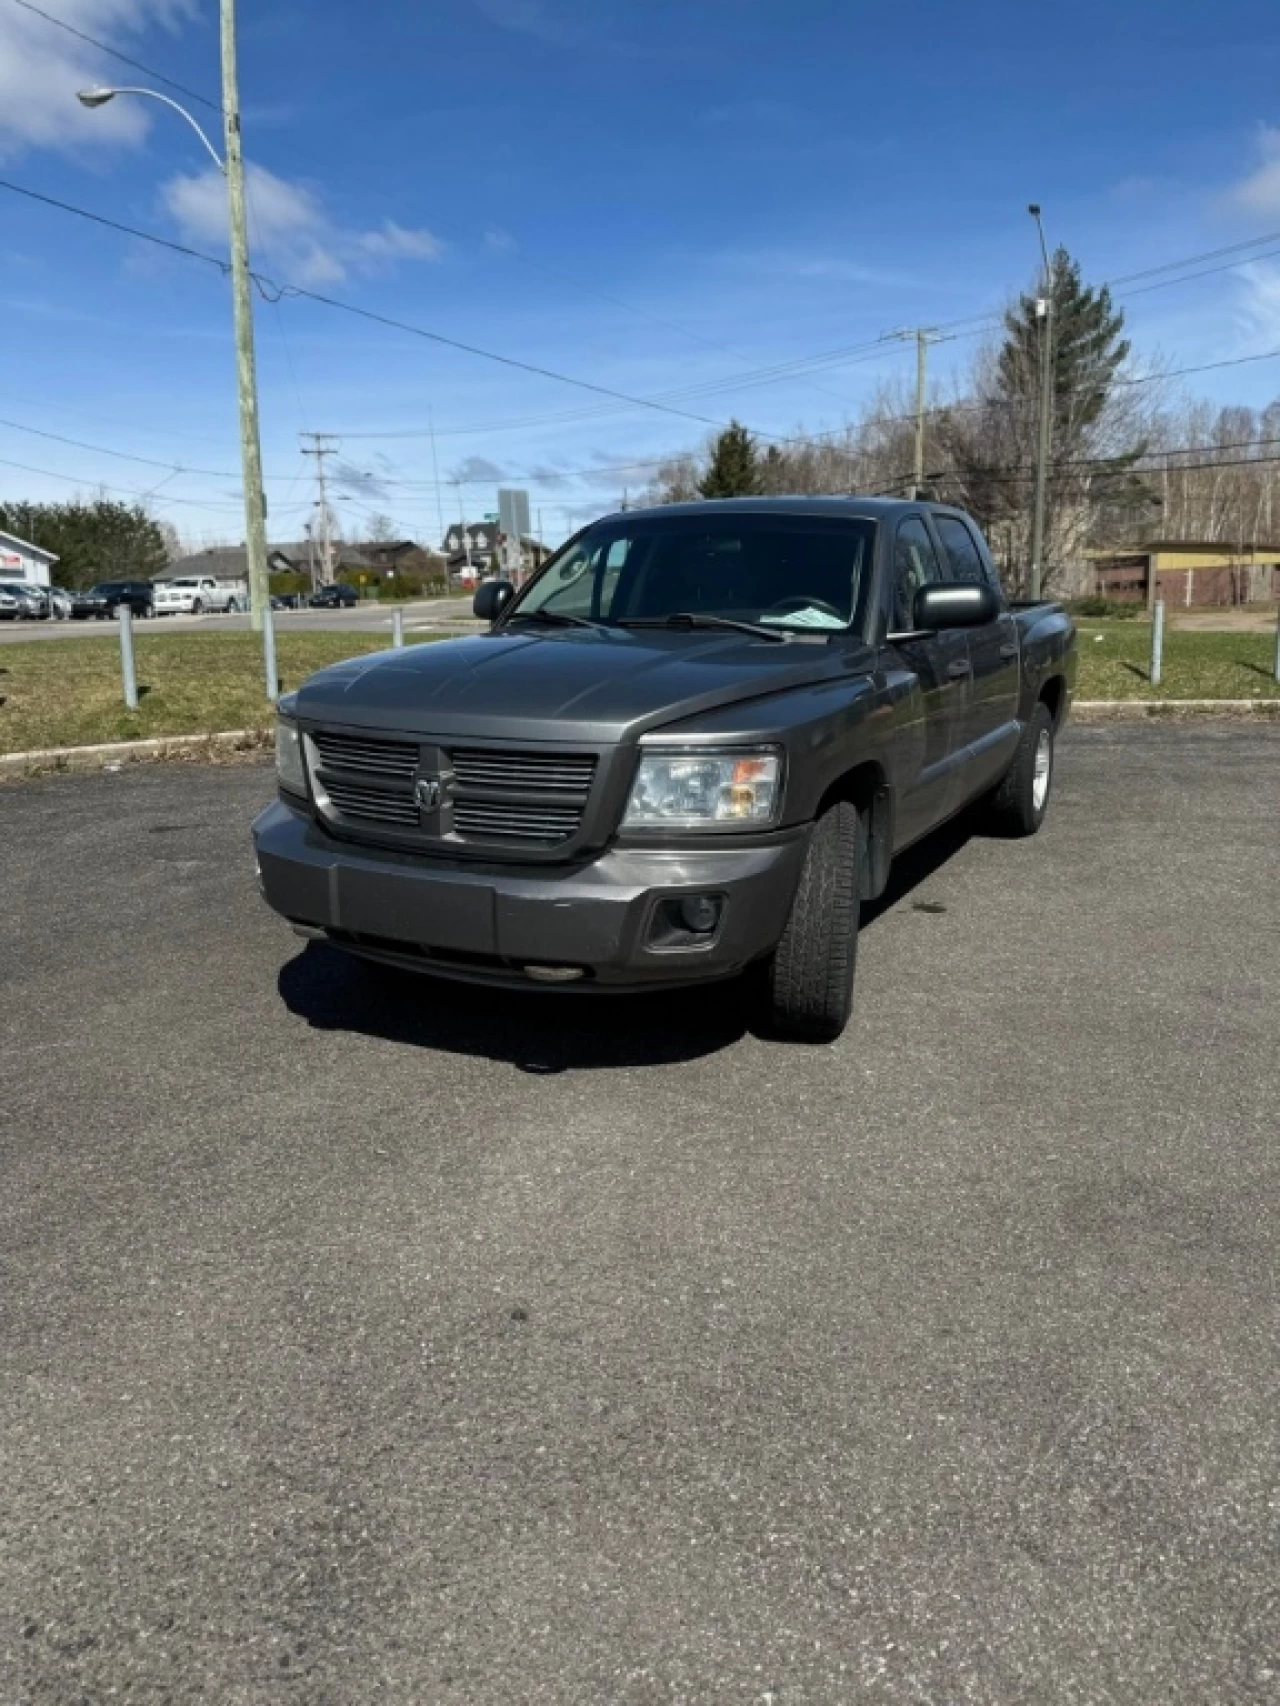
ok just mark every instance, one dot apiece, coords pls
pixel 192 594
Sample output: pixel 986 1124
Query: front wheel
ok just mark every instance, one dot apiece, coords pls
pixel 810 976
pixel 1018 804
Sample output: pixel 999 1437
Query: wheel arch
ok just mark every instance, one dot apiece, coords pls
pixel 867 787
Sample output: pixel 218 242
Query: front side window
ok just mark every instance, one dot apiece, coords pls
pixel 915 564
pixel 798 572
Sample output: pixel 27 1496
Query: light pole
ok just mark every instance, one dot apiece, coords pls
pixel 1044 313
pixel 232 168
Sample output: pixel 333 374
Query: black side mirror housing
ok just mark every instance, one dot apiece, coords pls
pixel 491 599
pixel 954 604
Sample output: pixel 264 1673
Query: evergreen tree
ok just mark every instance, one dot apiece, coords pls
pixel 99 540
pixel 1093 447
pixel 1087 352
pixel 734 469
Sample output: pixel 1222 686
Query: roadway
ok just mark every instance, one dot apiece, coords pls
pixel 368 618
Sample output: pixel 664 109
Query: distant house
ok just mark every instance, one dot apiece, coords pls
pixel 20 560
pixel 229 564
pixel 383 557
pixel 1188 572
pixel 476 545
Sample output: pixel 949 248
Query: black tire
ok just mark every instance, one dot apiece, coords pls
pixel 197 607
pixel 1017 806
pixel 809 978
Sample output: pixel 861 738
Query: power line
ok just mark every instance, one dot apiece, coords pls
pixel 150 71
pixel 119 491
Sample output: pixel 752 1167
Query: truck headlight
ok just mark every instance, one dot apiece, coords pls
pixel 291 767
pixel 690 788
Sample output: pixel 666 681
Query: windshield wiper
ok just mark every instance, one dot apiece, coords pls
pixel 697 619
pixel 557 616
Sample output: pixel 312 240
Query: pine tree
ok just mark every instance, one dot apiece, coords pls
pixel 1093 445
pixel 1088 351
pixel 734 469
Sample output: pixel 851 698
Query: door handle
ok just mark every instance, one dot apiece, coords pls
pixel 958 667
pixel 1010 650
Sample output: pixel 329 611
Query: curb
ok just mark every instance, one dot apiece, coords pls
pixel 255 740
pixel 131 751
pixel 1141 710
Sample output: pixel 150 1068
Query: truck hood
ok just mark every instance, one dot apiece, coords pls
pixel 596 685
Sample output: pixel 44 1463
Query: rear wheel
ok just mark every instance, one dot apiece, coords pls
pixel 196 606
pixel 1017 806
pixel 810 976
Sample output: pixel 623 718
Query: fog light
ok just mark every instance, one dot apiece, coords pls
pixel 700 913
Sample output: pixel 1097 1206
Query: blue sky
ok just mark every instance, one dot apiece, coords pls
pixel 655 196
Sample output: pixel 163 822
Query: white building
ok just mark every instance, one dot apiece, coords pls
pixel 22 561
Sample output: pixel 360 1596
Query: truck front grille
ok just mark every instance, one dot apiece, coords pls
pixel 490 796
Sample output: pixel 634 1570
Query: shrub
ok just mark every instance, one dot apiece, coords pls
pixel 1096 605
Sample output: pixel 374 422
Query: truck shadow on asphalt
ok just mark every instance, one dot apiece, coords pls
pixel 545 1032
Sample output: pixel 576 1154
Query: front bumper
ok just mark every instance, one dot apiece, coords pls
pixel 487 922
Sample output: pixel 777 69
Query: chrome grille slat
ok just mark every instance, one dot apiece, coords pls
pixel 380 757
pixel 524 772
pixel 370 804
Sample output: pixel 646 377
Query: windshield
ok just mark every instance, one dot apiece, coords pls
pixel 799 572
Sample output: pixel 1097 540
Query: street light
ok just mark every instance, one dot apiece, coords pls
pixel 99 96
pixel 232 168
pixel 1044 312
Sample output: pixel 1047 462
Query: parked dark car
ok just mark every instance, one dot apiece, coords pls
pixel 334 597
pixel 138 595
pixel 691 746
pixel 88 602
pixel 286 601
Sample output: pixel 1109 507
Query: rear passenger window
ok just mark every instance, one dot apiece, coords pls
pixel 962 552
pixel 915 564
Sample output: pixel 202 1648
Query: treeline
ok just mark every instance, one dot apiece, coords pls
pixel 98 540
pixel 1129 463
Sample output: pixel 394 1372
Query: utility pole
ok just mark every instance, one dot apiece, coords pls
pixel 323 444
pixel 435 474
pixel 1044 315
pixel 255 505
pixel 924 336
pixel 922 356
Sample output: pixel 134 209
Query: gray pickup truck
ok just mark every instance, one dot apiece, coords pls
pixel 688 748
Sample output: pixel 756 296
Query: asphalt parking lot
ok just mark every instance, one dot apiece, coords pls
pixel 374 1340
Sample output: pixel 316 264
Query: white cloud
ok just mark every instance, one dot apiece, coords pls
pixel 291 230
pixel 1259 192
pixel 42 67
pixel 524 17
pixel 1261 307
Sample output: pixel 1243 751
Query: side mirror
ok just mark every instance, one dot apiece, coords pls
pixel 491 599
pixel 954 604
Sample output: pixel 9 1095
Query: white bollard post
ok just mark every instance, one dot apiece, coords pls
pixel 1157 643
pixel 127 670
pixel 269 650
pixel 397 627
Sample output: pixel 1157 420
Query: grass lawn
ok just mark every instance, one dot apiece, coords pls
pixel 1116 656
pixel 68 692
